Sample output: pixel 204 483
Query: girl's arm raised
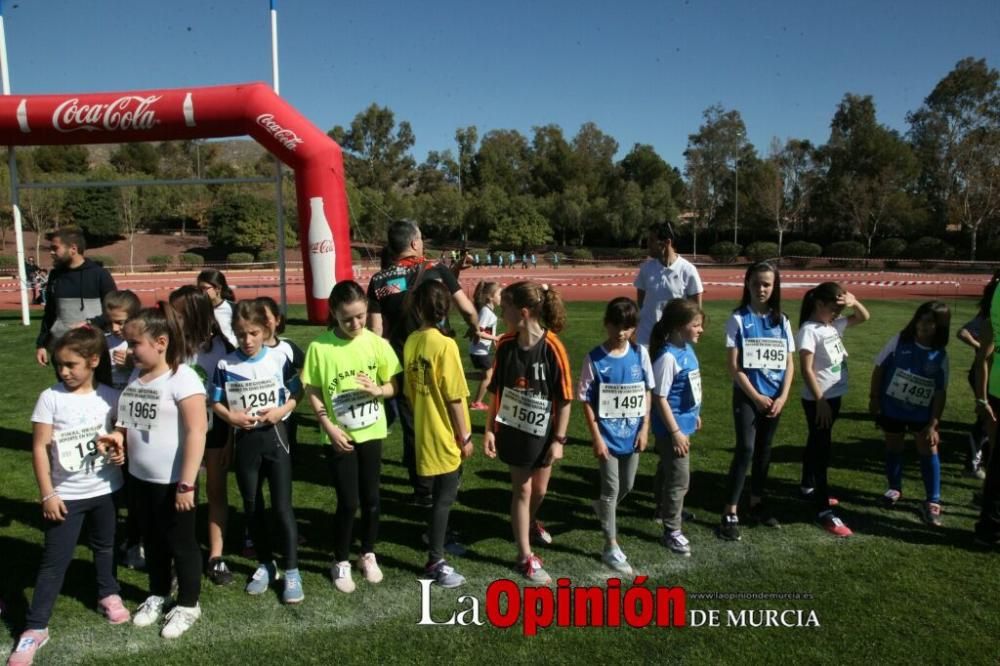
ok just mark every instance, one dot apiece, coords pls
pixel 860 313
pixel 53 507
pixel 195 421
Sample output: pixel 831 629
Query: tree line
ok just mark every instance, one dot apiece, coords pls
pixel 868 183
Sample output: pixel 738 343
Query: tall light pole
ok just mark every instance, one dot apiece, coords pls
pixel 736 209
pixel 736 200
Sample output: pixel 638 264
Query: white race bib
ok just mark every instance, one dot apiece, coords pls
pixel 77 448
pixel 694 379
pixel 138 408
pixel 621 401
pixel 765 353
pixel 356 409
pixel 835 350
pixel 912 389
pixel 252 395
pixel 528 413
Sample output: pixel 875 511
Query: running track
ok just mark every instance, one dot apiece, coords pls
pixel 578 283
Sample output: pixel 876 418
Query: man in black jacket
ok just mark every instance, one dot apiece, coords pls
pixel 74 291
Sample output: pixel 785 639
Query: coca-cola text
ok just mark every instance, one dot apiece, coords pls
pixel 130 112
pixel 286 137
pixel 321 247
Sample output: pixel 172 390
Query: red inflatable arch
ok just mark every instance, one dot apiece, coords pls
pixel 198 113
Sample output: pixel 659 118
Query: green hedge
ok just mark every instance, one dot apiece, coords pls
pixel 8 265
pixel 581 254
pixel 192 260
pixel 802 251
pixel 356 255
pixel 725 252
pixel 240 258
pixel 103 260
pixel 890 249
pixel 927 249
pixel 846 253
pixel 160 262
pixel 761 251
pixel 268 256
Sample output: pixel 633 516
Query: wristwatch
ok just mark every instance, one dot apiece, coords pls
pixel 462 441
pixel 559 439
pixel 183 487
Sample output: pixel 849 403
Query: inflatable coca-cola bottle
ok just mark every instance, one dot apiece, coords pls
pixel 322 255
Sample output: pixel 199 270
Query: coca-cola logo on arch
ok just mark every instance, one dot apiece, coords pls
pixel 286 137
pixel 129 112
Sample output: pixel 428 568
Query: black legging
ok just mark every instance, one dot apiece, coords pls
pixel 444 490
pixel 168 534
pixel 355 478
pixel 988 525
pixel 262 453
pixel 754 434
pixel 816 460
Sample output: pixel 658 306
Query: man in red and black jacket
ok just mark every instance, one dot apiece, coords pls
pixel 388 316
pixel 74 292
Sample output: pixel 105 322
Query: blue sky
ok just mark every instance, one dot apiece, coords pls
pixel 643 71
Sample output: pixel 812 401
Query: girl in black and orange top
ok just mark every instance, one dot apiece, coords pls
pixel 529 414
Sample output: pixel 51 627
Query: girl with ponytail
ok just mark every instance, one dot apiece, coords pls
pixel 162 418
pixel 823 360
pixel 529 415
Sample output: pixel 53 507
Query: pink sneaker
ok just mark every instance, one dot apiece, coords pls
pixel 27 645
pixel 112 608
pixel 479 407
pixel 834 525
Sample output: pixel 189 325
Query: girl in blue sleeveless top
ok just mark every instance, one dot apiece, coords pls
pixel 614 387
pixel 908 391
pixel 676 409
pixel 760 348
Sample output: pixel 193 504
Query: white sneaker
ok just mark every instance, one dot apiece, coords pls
pixel 180 619
pixel 341 574
pixel 149 611
pixel 369 568
pixel 615 558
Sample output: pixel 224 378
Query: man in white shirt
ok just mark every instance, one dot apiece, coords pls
pixel 664 276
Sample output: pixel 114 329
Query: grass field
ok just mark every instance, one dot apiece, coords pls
pixel 897 591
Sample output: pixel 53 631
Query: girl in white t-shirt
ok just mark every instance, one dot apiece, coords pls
pixel 75 480
pixel 823 359
pixel 486 298
pixel 162 422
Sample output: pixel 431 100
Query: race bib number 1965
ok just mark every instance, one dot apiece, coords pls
pixel 138 408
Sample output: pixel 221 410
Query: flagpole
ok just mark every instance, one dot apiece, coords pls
pixel 22 274
pixel 279 198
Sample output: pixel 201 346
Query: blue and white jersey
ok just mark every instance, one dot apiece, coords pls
pixel 911 375
pixel 678 379
pixel 764 348
pixel 250 383
pixel 615 386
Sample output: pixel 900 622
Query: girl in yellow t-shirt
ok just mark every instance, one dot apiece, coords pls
pixel 348 374
pixel 434 383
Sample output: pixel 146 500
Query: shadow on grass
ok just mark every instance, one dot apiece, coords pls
pixel 23 556
pixel 16 440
